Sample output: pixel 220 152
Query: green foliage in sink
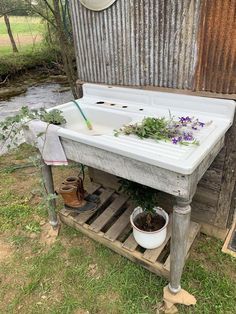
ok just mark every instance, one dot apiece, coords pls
pixel 176 131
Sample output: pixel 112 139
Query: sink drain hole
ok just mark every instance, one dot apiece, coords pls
pixel 141 109
pixel 100 102
pixel 124 106
pixel 112 104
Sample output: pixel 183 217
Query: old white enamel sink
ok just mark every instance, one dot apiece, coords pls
pixel 109 108
pixel 170 168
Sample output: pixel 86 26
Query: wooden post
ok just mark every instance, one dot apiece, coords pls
pixel 180 228
pixel 49 186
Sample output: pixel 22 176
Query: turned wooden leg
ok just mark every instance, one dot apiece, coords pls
pixel 48 182
pixel 180 229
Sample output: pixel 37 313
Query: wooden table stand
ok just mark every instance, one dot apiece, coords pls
pixel 182 234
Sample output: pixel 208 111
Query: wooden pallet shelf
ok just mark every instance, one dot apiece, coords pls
pixel 110 226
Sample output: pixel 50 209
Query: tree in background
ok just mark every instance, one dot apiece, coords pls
pixel 7 7
pixel 56 14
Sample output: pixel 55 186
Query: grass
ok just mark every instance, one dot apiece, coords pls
pixel 23 25
pixel 76 275
pixel 28 59
pixel 25 49
pixel 27 32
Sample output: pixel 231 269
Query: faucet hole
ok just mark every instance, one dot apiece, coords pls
pixel 100 102
pixel 112 104
pixel 124 106
pixel 141 109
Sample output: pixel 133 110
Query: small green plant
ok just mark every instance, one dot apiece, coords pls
pixel 141 195
pixel 33 227
pixel 54 117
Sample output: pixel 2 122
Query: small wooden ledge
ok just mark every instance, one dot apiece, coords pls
pixel 110 226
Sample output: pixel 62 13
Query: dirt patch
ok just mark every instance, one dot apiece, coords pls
pixel 21 40
pixel 81 312
pixel 5 250
pixel 93 271
pixel 48 234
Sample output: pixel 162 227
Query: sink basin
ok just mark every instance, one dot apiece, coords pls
pixel 103 121
pixel 110 108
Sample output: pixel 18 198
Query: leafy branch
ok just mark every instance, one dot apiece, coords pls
pixel 11 127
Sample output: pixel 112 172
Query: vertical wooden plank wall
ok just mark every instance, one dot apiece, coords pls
pixel 184 44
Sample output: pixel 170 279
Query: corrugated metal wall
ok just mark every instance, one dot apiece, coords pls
pixel 216 70
pixel 138 42
pixel 186 44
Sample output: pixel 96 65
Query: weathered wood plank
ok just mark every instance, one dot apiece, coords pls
pixel 110 211
pixel 228 179
pixel 193 232
pixel 93 187
pixel 65 212
pixel 211 179
pixel 104 197
pixel 116 246
pixel 206 196
pixel 107 180
pixel 130 244
pixel 117 228
pixel 152 255
pixel 199 214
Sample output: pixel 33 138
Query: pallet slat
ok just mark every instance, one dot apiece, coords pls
pixel 130 244
pixel 118 227
pixel 152 255
pixel 108 213
pixel 93 187
pixel 104 197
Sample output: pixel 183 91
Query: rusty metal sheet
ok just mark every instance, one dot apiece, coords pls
pixel 137 42
pixel 216 68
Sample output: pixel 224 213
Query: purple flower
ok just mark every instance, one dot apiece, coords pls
pixel 174 140
pixel 185 120
pixel 194 127
pixel 201 124
pixel 188 136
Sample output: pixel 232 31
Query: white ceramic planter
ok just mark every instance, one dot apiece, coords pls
pixel 149 239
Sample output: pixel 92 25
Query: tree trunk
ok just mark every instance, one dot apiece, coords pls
pixel 13 43
pixel 65 50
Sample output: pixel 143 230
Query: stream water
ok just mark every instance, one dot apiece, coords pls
pixel 42 95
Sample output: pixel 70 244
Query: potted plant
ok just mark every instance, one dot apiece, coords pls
pixel 149 222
